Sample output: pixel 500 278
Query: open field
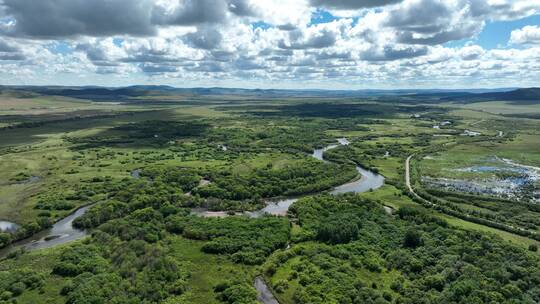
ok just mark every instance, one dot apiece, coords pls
pixel 504 107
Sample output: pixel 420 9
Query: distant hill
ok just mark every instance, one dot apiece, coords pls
pixel 519 96
pixel 95 93
pixel 522 96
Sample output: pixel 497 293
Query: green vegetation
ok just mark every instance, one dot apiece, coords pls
pixel 247 241
pixel 471 171
pixel 147 167
pixel 303 177
pixel 410 258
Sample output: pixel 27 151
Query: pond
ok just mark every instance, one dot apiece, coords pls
pixel 6 226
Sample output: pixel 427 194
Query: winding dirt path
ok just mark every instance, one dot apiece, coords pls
pixel 408 179
pixel 477 122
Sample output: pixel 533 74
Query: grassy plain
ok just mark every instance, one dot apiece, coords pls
pixel 206 271
pixel 503 107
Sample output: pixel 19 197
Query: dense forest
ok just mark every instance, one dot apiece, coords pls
pixel 305 177
pixel 348 250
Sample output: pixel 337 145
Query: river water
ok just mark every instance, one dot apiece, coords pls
pixel 61 232
pixel 264 293
pixel 368 180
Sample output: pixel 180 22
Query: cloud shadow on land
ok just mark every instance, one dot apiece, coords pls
pixel 151 133
pixel 328 110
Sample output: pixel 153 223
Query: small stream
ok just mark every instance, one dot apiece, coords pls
pixel 264 295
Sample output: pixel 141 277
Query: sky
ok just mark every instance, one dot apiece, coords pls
pixel 288 44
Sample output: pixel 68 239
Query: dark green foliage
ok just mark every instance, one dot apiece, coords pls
pixel 14 283
pixel 412 239
pixel 17 288
pixel 115 271
pixel 128 196
pixel 147 133
pixel 337 110
pixel 248 241
pixel 447 265
pixel 54 204
pixel 101 288
pixel 5 239
pixel 143 224
pixel 280 286
pixel 236 293
pixel 101 213
pixel 21 177
pixel 79 259
pixel 338 230
pixel 307 177
pixel 183 178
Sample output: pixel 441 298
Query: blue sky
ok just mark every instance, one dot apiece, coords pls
pixel 344 44
pixel 496 34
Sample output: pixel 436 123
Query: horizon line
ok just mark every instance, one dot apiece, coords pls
pixel 268 89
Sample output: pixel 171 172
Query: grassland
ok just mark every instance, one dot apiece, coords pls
pixel 503 107
pixel 39 263
pixel 206 271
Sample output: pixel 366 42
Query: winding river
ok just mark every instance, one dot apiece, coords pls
pixel 368 180
pixel 63 232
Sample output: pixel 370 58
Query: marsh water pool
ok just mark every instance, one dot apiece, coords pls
pixel 6 226
pixel 494 176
